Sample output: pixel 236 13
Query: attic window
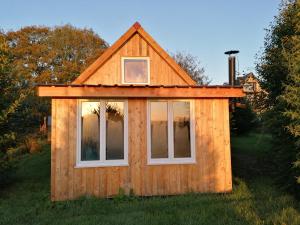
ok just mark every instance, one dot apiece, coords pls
pixel 135 70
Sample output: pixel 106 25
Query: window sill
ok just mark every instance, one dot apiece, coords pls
pixel 170 162
pixel 111 164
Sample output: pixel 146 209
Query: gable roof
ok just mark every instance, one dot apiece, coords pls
pixel 134 29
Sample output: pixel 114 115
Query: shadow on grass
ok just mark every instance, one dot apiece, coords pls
pixel 252 165
pixel 251 156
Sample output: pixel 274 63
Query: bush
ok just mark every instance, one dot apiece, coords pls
pixel 33 143
pixel 8 156
pixel 243 120
pixel 7 170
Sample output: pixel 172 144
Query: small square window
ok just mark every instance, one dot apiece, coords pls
pixel 135 70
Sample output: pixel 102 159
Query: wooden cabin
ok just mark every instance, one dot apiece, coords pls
pixel 135 122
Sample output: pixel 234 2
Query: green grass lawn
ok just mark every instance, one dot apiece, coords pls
pixel 255 199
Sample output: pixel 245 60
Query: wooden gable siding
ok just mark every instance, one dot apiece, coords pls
pixel 211 173
pixel 161 73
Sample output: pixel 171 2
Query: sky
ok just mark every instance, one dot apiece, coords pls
pixel 203 28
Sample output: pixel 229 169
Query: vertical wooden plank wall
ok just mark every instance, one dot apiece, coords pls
pixel 211 173
pixel 160 72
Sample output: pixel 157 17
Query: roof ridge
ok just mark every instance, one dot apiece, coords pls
pixel 137 25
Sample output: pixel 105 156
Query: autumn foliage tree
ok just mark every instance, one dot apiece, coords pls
pixel 34 55
pixel 58 55
pixel 9 102
pixel 47 55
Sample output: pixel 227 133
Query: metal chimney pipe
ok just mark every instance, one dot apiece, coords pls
pixel 231 72
pixel 231 67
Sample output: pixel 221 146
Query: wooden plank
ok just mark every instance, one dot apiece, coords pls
pixel 143 146
pixel 134 127
pixel 200 144
pixel 138 92
pixel 144 47
pixel 140 45
pixel 135 45
pixel 129 47
pixel 61 149
pixel 58 179
pixel 89 181
pixel 209 151
pixel 153 66
pixel 77 172
pixel 77 183
pixel 102 182
pixel 218 145
pixel 72 128
pixel 96 182
pixel 221 136
pixel 53 151
pixel 64 146
pixel 228 173
pixel 57 155
pixel 83 181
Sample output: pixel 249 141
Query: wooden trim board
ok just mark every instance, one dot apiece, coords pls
pixel 137 92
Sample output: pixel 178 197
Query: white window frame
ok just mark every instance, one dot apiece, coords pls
pixel 123 69
pixel 103 162
pixel 171 159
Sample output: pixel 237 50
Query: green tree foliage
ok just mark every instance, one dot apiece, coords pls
pixel 191 64
pixel 279 69
pixel 291 93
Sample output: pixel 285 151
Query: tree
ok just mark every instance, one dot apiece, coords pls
pixel 279 71
pixel 48 55
pixel 191 65
pixel 291 94
pixel 58 55
pixel 37 55
pixel 243 120
pixel 9 102
pixel 10 99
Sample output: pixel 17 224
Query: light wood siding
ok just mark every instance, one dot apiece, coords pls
pixel 160 72
pixel 211 173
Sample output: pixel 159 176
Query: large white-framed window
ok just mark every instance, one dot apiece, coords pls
pixel 170 131
pixel 135 70
pixel 102 133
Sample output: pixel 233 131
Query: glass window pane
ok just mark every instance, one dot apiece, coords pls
pixel 135 71
pixel 90 131
pixel 114 130
pixel 181 126
pixel 159 129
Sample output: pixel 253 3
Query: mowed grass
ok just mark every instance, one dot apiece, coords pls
pixel 254 200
